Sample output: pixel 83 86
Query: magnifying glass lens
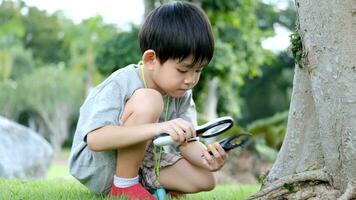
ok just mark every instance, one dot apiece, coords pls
pixel 216 129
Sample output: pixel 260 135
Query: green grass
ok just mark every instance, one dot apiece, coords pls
pixel 61 189
pixel 226 192
pixel 59 171
pixel 44 189
pixel 60 185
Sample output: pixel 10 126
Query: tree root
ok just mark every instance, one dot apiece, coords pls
pixel 316 175
pixel 321 191
pixel 349 193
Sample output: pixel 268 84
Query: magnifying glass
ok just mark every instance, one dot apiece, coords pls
pixel 210 129
pixel 234 141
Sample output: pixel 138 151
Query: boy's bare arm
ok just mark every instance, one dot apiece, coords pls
pixel 193 152
pixel 114 137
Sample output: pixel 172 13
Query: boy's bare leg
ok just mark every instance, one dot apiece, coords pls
pixel 186 178
pixel 145 106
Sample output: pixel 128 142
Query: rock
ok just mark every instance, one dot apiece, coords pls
pixel 23 152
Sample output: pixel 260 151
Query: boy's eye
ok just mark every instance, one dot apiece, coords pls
pixel 181 71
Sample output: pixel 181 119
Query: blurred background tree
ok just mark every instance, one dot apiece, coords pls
pixel 48 63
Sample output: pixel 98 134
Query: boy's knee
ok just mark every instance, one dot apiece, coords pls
pixel 208 183
pixel 147 102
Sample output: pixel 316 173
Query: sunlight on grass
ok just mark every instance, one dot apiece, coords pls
pixel 59 171
pixel 228 192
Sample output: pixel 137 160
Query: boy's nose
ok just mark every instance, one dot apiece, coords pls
pixel 190 79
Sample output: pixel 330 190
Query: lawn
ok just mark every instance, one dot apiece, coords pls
pixel 60 185
pixel 58 189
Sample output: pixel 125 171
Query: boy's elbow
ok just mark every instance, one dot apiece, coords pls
pixel 93 143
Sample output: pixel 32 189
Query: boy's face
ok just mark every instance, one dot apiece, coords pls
pixel 176 78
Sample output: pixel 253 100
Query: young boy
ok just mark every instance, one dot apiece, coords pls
pixel 112 149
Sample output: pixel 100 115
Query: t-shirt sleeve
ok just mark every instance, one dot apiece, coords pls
pixel 187 110
pixel 102 108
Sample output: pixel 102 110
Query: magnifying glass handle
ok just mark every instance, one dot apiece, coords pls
pixel 163 141
pixel 167 140
pixel 227 145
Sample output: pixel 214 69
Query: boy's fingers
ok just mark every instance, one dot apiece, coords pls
pixel 221 151
pixel 207 157
pixel 194 134
pixel 171 131
pixel 173 134
pixel 217 156
pixel 179 131
pixel 188 127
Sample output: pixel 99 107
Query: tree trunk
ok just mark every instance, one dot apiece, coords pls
pixel 318 157
pixel 89 66
pixel 210 107
pixel 149 6
pixel 56 125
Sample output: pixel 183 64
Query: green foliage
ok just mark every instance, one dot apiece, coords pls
pixel 270 129
pixel 44 35
pixel 58 86
pixel 268 17
pixel 22 62
pixel 263 179
pixel 31 39
pixel 49 96
pixel 266 95
pixel 119 51
pixel 268 135
pixel 297 49
pixel 289 186
pixel 238 51
pixel 12 53
pixel 5 64
pixel 265 151
pixel 84 40
pixel 11 25
pixel 15 62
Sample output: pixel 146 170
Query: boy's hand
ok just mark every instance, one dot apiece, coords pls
pixel 179 129
pixel 217 160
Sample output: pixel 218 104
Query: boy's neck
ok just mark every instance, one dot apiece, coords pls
pixel 147 80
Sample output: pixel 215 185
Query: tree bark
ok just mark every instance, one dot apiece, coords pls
pixel 149 6
pixel 317 158
pixel 57 125
pixel 210 107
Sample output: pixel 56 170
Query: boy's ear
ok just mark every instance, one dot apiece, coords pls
pixel 149 58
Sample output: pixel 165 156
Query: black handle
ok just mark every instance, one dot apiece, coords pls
pixel 227 145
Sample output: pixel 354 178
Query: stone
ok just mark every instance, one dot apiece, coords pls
pixel 23 152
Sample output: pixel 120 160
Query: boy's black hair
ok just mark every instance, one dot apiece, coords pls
pixel 177 30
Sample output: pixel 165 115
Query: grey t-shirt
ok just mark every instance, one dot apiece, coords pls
pixel 104 106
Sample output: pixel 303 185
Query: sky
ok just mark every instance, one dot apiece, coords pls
pixel 119 12
pixel 124 12
pixel 280 41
